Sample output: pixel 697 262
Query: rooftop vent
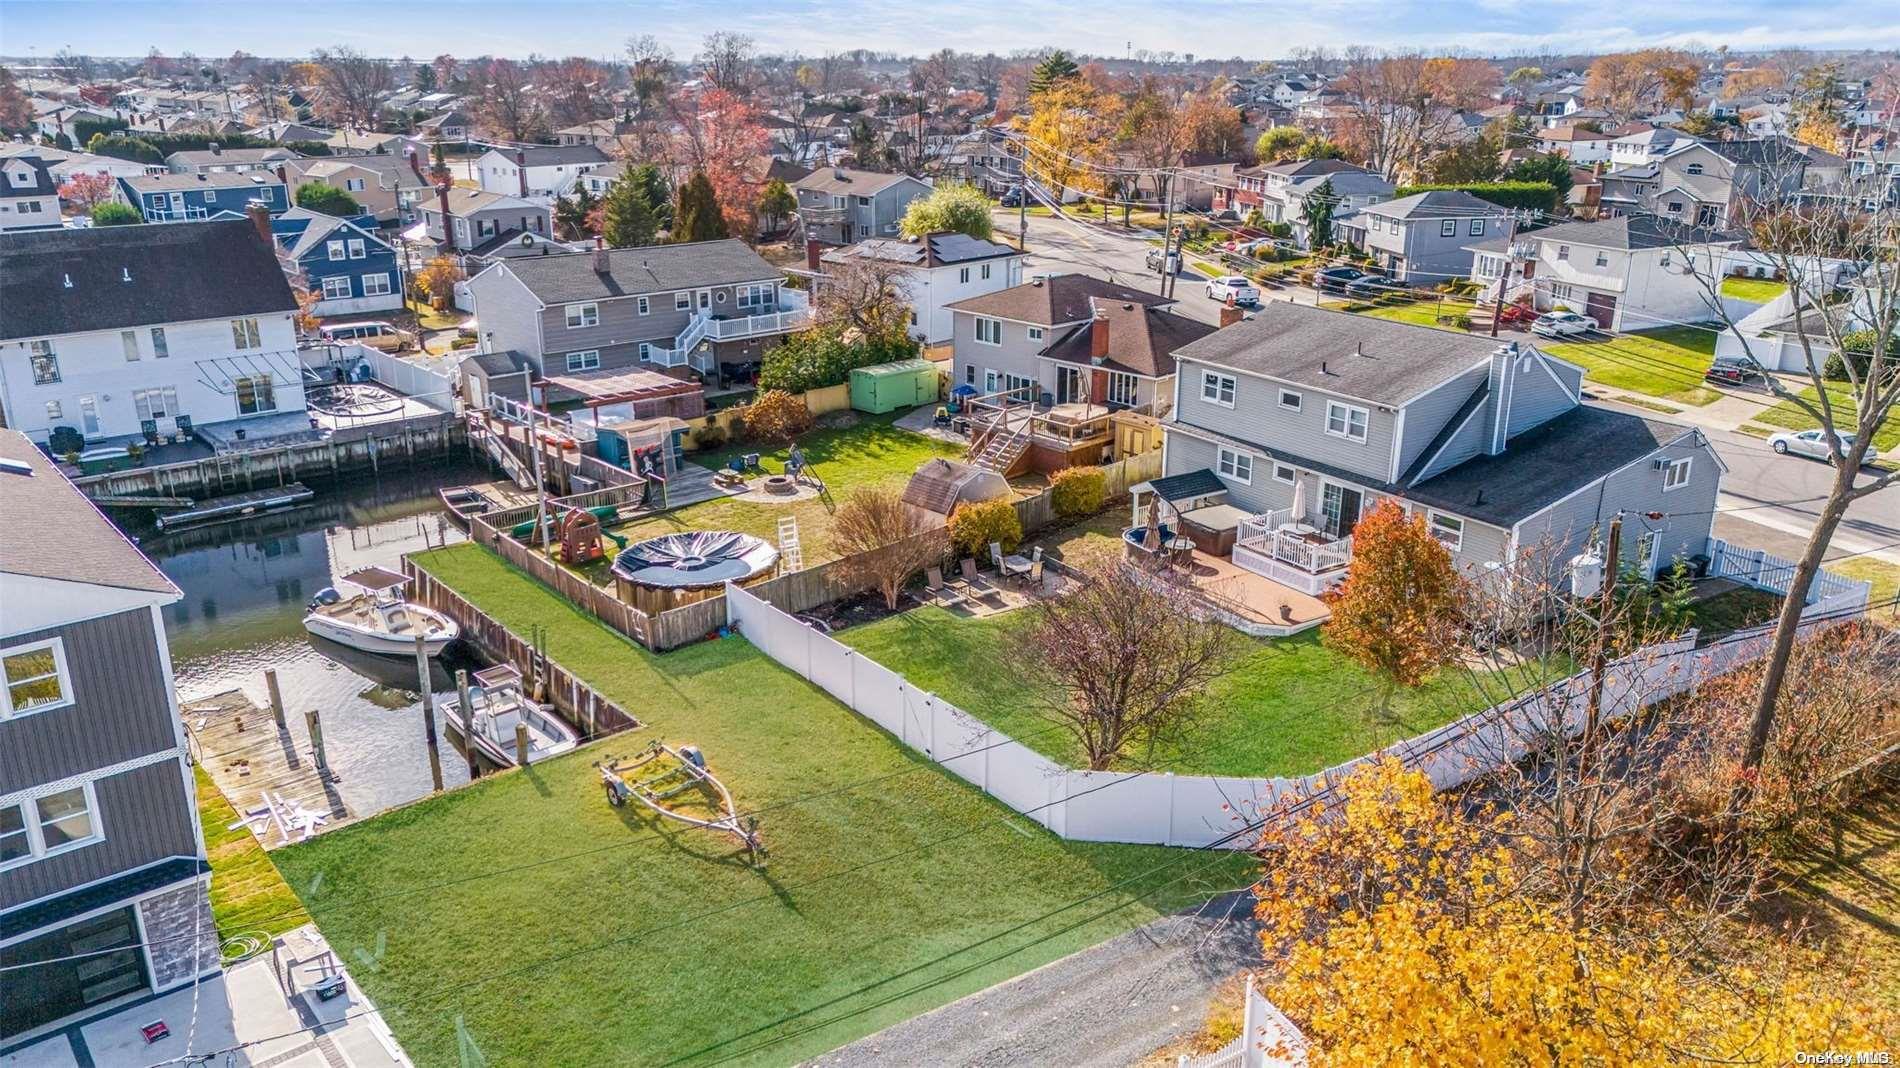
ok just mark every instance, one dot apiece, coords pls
pixel 69 280
pixel 16 467
pixel 125 274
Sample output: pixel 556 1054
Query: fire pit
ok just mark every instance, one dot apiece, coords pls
pixel 782 485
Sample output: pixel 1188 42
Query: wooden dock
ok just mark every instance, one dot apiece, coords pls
pixel 251 759
pixel 236 506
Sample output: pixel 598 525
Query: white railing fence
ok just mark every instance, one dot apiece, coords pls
pixel 1267 1039
pixel 1775 574
pixel 437 389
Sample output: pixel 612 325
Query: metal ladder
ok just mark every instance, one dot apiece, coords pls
pixel 790 558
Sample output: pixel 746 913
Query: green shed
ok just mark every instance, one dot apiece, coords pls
pixel 886 387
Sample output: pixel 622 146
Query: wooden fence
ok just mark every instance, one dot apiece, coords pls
pixel 582 705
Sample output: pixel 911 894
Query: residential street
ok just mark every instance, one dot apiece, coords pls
pixel 1109 1006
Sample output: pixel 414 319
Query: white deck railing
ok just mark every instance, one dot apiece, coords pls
pixel 777 322
pixel 1267 546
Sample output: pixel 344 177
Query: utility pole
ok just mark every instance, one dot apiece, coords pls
pixel 540 479
pixel 1600 662
pixel 1504 278
pixel 1167 236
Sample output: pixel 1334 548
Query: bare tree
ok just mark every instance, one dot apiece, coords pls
pixel 883 540
pixel 509 103
pixel 866 295
pixel 986 71
pixel 576 90
pixel 650 64
pixel 1128 657
pixel 351 86
pixel 729 61
pixel 1393 122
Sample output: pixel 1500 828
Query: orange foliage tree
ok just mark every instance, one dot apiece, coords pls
pixel 1396 613
pixel 724 139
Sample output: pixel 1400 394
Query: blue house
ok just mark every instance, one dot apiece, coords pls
pixel 341 259
pixel 195 197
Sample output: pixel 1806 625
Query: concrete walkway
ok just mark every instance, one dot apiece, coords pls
pixel 1106 1007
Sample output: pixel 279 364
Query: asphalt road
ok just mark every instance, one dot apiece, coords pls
pixel 1106 1007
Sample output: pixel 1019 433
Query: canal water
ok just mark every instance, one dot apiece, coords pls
pixel 246 585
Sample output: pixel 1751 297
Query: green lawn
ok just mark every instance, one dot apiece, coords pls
pixel 1842 885
pixel 247 893
pixel 1789 415
pixel 1289 706
pixel 1731 610
pixel 1885 578
pixel 1665 363
pixel 1759 290
pixel 1423 312
pixel 523 921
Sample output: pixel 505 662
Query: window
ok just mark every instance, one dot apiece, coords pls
pixel 1448 228
pixel 1235 465
pixel 985 272
pixel 354 185
pixel 45 363
pixel 963 276
pixel 1676 474
pixel 15 843
pixel 1675 207
pixel 588 360
pixel 155 404
pixel 1708 215
pixel 53 411
pixel 645 308
pixel 357 249
pixel 1291 400
pixel 864 202
pixel 646 352
pixel 130 339
pixel 1603 259
pixel 1346 421
pixel 1448 529
pixel 1217 388
pixel 969 374
pixel 1646 547
pixel 1476 229
pixel 989 331
pixel 211 196
pixel 53 822
pixel 160 349
pixel 755 298
pixel 1560 291
pixel 375 285
pixel 255 395
pixel 1284 473
pixel 1693 168
pixel 336 287
pixel 579 315
pixel 682 302
pixel 864 230
pixel 1035 333
pixel 335 249
pixel 244 334
pixel 1122 387
pixel 1563 252
pixel 36 679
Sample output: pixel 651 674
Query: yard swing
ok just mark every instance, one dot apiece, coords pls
pixel 670 773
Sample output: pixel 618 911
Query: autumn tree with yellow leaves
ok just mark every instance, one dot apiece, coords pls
pixel 1068 134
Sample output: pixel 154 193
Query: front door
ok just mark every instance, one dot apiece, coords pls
pixel 1340 506
pixel 991 382
pixel 88 416
pixel 705 300
pixel 1602 308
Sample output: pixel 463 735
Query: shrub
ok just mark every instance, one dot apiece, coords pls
pixel 822 356
pixel 458 343
pixel 1859 345
pixel 977 523
pixel 115 213
pixel 710 436
pixel 1078 491
pixel 777 417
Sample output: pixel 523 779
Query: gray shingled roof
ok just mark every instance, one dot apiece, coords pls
pixel 48 529
pixel 562 279
pixel 1626 232
pixel 1370 359
pixel 1436 203
pixel 179 273
pixel 938 250
pixel 43 183
pixel 208 158
pixel 220 180
pixel 1063 298
pixel 558 155
pixel 845 180
pixel 1141 339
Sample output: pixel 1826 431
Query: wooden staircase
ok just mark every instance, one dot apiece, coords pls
pixel 1002 449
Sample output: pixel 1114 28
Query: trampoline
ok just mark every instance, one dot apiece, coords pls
pixel 694 560
pixel 352 399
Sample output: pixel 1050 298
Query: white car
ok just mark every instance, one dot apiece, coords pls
pixel 1563 324
pixel 1233 286
pixel 1813 444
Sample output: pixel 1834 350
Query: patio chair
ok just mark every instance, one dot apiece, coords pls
pixel 941 593
pixel 980 588
pixel 1033 579
pixel 1008 566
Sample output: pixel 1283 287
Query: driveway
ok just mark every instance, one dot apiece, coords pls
pixel 1106 1007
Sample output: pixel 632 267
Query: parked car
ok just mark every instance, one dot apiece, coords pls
pixel 1012 197
pixel 1812 444
pixel 1235 287
pixel 1733 370
pixel 1563 324
pixel 375 334
pixel 1373 285
pixel 1336 279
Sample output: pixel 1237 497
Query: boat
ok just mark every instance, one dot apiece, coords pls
pixel 378 620
pixel 464 502
pixel 499 707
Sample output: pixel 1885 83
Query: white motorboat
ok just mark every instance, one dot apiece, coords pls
pixel 378 620
pixel 499 706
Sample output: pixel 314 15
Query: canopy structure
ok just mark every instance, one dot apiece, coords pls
pixel 695 559
pixel 375 579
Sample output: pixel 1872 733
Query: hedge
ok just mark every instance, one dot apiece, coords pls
pixel 1532 196
pixel 975 524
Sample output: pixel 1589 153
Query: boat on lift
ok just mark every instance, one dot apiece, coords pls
pixel 498 706
pixel 378 620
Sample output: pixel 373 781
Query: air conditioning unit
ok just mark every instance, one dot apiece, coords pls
pixel 1659 463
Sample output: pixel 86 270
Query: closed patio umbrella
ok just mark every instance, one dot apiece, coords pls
pixel 1151 540
pixel 1299 499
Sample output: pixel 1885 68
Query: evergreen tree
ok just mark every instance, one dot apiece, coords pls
pixel 699 217
pixel 1056 67
pixel 654 190
pixel 1317 209
pixel 777 203
pixel 626 220
pixel 570 214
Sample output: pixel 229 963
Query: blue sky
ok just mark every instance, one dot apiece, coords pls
pixel 1252 28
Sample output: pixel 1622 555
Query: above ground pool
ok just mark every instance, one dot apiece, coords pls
pixel 694 560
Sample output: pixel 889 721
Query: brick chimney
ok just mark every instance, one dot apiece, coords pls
pixel 813 253
pixel 521 168
pixel 600 256
pixel 260 218
pixel 283 176
pixel 1230 314
pixel 448 222
pixel 1098 337
pixel 416 166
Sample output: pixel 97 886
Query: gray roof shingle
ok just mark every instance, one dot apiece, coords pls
pixel 1627 232
pixel 1063 298
pixel 48 529
pixel 43 183
pixel 1435 203
pixel 631 271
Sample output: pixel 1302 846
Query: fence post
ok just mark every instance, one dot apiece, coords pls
pixel 1167 835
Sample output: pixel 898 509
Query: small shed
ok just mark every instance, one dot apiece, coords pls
pixel 658 441
pixel 939 485
pixel 887 387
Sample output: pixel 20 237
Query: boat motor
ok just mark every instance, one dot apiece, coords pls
pixel 325 596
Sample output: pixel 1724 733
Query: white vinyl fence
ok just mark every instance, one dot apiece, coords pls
pixel 422 384
pixel 1164 808
pixel 1267 1039
pixel 1775 574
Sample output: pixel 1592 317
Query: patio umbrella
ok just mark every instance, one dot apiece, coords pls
pixel 1299 499
pixel 1151 541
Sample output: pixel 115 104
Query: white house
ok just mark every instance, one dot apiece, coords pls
pixel 1583 146
pixel 129 333
pixel 1631 272
pixel 538 173
pixel 938 271
pixel 29 197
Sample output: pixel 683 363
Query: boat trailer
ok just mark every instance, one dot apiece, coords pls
pixel 670 773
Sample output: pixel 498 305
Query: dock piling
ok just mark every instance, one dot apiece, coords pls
pixel 461 691
pixel 428 711
pixel 276 697
pixel 315 725
pixel 521 743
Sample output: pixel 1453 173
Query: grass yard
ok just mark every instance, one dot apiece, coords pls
pixel 1418 313
pixel 1666 363
pixel 1731 610
pixel 1844 880
pixel 247 893
pixel 1759 290
pixel 1886 584
pixel 1290 706
pixel 523 921
pixel 1789 415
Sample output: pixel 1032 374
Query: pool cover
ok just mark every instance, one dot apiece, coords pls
pixel 698 558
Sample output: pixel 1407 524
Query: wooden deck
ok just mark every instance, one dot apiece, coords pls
pixel 248 756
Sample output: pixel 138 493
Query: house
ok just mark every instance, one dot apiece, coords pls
pixel 219 160
pixel 104 884
pixel 388 187
pixel 600 133
pixel 1628 272
pixel 838 205
pixel 448 126
pixel 1305 418
pixel 1348 191
pixel 1001 342
pixel 1711 183
pixel 195 197
pixel 1644 145
pixel 1277 188
pixel 1580 143
pixel 353 270
pixel 538 172
pixel 938 271
pixel 486 225
pixel 130 333
pixel 29 197
pixel 713 307
pixel 369 142
pixel 1424 238
pixel 285 132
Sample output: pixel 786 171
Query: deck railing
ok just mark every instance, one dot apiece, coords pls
pixel 1270 533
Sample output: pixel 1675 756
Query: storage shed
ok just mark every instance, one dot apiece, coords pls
pixel 887 387
pixel 939 485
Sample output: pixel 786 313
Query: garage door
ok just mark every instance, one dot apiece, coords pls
pixel 1602 308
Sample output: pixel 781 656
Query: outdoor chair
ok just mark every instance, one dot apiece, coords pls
pixel 941 593
pixel 1033 580
pixel 980 588
pixel 1008 566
